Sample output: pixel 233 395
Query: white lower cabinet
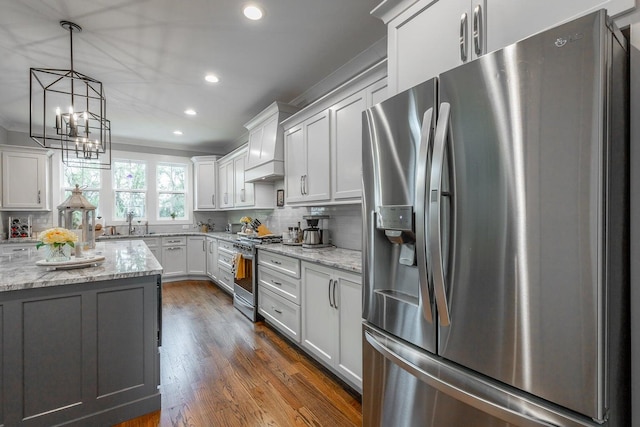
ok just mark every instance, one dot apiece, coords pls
pixel 197 255
pixel 332 319
pixel 226 255
pixel 174 257
pixel 279 292
pixel 212 258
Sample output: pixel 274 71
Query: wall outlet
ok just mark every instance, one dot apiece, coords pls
pixel 185 227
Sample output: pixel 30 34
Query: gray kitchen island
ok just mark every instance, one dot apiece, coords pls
pixel 80 346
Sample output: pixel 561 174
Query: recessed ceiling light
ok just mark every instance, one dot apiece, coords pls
pixel 253 12
pixel 211 78
pixel 177 132
pixel 190 112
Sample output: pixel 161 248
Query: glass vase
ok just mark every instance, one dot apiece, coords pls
pixel 58 253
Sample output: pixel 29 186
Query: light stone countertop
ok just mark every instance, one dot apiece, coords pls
pixel 122 260
pixel 345 259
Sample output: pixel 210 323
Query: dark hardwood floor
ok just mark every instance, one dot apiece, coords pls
pixel 219 369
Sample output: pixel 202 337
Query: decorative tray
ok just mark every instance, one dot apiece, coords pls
pixel 88 261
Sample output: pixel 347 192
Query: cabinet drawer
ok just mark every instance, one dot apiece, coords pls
pixel 174 241
pixel 225 279
pixel 281 313
pixel 12 248
pixel 224 245
pixel 225 260
pixel 280 284
pixel 283 264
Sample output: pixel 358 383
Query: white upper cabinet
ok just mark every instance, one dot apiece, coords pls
pixel 25 179
pixel 243 194
pixel 307 165
pixel 346 144
pixel 265 159
pixel 234 192
pixel 430 37
pixel 426 37
pixel 323 143
pixel 204 177
pixel 225 183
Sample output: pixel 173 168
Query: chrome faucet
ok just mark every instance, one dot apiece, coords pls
pixel 129 219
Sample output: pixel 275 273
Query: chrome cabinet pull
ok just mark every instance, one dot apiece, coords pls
pixel 242 195
pixel 463 37
pixel 213 200
pixel 335 302
pixel 329 289
pixel 421 215
pixel 276 283
pixel 39 196
pixel 20 250
pixel 306 192
pixel 301 187
pixel 276 262
pixel 204 246
pixel 174 248
pixel 435 198
pixel 478 29
pixel 277 311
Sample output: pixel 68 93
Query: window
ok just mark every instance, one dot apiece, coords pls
pixel 130 188
pixel 89 182
pixel 172 191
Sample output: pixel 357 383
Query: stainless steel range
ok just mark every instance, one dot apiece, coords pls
pixel 245 286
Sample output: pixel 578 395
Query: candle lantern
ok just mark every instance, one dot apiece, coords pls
pixel 68 218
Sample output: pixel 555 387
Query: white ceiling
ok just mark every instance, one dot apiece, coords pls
pixel 152 56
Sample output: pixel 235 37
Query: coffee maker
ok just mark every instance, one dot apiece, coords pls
pixel 315 236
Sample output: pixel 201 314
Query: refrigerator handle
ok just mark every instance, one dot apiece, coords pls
pixel 435 198
pixel 472 390
pixel 421 217
pixel 478 29
pixel 463 37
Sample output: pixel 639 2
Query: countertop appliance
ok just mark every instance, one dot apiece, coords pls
pixel 245 286
pixel 316 235
pixel 496 288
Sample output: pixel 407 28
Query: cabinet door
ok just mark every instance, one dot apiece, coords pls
pixel 205 183
pixel 243 194
pixel 349 302
pixel 255 147
pixel 212 258
pixel 424 41
pixel 346 147
pixel 225 175
pixel 509 21
pixel 319 317
pixel 24 181
pixel 316 182
pixel 377 92
pixel 196 255
pixel 174 261
pixel 295 164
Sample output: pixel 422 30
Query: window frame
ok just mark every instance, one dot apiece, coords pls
pixel 116 190
pixel 184 192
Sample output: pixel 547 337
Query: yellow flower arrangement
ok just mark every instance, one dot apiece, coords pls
pixel 57 237
pixel 245 219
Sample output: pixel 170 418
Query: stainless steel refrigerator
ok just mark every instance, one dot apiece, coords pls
pixel 495 212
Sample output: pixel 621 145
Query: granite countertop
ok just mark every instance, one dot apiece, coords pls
pixel 345 259
pixel 122 259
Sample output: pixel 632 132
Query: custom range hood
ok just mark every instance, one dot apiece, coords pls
pixel 265 160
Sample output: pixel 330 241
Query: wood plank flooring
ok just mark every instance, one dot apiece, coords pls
pixel 220 369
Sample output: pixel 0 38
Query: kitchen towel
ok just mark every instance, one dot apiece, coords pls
pixel 239 263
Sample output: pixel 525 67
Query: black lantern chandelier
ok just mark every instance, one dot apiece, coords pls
pixel 68 112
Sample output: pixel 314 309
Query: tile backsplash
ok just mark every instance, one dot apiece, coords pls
pixel 344 223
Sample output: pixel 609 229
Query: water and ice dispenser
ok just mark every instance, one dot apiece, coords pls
pixel 397 223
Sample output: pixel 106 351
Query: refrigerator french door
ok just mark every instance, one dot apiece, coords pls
pixel 495 258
